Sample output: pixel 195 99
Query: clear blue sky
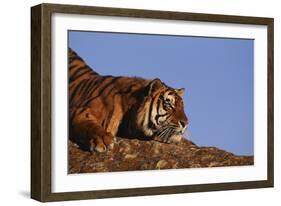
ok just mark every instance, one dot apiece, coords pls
pixel 217 74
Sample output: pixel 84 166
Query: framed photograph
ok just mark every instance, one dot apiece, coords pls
pixel 130 102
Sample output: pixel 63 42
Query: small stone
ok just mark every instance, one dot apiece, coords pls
pixel 156 149
pixel 124 147
pixel 130 156
pixel 161 164
pixel 97 166
pixel 175 165
pixel 213 164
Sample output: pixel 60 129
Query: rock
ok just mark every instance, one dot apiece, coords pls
pixel 135 154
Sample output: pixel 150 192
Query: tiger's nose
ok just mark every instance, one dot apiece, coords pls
pixel 182 123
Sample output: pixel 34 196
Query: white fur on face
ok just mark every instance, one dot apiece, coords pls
pixel 169 98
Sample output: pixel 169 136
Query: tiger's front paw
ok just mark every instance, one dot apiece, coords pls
pixel 109 140
pixel 101 144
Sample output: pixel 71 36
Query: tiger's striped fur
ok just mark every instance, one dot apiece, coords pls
pixel 102 107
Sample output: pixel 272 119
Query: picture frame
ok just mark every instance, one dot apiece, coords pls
pixel 42 88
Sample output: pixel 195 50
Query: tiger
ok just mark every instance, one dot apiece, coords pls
pixel 103 107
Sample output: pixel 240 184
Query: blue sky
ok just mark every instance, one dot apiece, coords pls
pixel 217 74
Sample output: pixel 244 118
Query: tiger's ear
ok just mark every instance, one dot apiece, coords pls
pixel 180 92
pixel 153 86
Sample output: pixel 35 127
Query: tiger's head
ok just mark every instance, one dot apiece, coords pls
pixel 161 114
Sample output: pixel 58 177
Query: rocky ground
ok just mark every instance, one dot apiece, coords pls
pixel 134 154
